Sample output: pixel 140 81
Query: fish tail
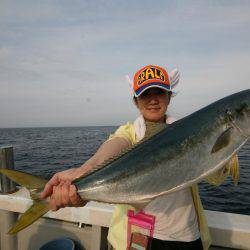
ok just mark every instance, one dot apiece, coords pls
pixel 34 184
pixel 37 210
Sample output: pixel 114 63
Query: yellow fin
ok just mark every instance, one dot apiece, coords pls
pixel 139 206
pixel 234 169
pixel 27 180
pixel 33 184
pixel 153 128
pixel 37 210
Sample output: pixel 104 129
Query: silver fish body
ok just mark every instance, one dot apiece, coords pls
pixel 177 157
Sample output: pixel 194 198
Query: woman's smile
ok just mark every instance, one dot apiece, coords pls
pixel 154 109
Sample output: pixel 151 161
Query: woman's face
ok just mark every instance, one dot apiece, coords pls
pixel 153 104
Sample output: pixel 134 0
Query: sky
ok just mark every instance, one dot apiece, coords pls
pixel 63 63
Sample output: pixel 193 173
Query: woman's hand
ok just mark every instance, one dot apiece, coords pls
pixel 60 190
pixel 65 195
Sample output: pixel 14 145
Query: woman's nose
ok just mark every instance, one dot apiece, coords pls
pixel 153 99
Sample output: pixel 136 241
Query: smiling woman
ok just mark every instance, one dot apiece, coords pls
pixel 153 104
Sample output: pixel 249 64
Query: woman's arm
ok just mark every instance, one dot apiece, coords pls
pixel 59 188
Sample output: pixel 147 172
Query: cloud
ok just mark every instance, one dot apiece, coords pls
pixel 54 56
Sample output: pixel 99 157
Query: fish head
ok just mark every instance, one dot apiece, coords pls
pixel 238 112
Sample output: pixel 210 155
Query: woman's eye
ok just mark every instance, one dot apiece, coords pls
pixel 145 94
pixel 160 92
pixel 151 92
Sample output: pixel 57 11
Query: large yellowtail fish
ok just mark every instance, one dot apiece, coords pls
pixel 178 156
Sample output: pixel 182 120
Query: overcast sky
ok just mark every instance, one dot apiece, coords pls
pixel 63 63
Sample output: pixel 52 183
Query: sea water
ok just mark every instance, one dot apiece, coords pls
pixel 45 151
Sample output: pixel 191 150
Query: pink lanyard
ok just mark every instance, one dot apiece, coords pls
pixel 142 220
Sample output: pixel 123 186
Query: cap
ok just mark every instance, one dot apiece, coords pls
pixel 154 76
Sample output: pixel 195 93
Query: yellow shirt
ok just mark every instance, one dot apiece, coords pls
pixel 118 228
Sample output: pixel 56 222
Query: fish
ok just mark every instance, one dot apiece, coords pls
pixel 176 157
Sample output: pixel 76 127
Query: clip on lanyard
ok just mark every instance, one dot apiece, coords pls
pixel 141 220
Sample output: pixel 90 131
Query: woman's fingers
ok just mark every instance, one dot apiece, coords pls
pixel 64 176
pixel 65 195
pixel 53 201
pixel 75 199
pixel 65 200
pixel 48 189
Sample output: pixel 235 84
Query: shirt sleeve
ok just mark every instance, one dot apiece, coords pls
pixel 126 132
pixel 231 168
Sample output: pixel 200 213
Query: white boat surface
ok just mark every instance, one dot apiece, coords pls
pixel 89 225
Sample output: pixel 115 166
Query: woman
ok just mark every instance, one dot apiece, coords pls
pixel 180 221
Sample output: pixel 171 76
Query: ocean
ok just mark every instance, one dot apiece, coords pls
pixel 45 151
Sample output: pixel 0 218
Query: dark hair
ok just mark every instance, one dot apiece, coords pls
pixel 135 100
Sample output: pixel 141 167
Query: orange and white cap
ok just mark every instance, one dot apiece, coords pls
pixel 154 76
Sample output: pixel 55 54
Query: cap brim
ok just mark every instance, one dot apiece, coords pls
pixel 154 85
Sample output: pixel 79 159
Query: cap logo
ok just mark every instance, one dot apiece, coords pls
pixel 149 74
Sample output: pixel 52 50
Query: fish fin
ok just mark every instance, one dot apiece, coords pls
pixel 33 184
pixel 234 169
pixel 139 206
pixel 37 210
pixel 223 140
pixel 153 128
pixel 24 179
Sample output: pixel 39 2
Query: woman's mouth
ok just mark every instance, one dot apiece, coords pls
pixel 153 109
